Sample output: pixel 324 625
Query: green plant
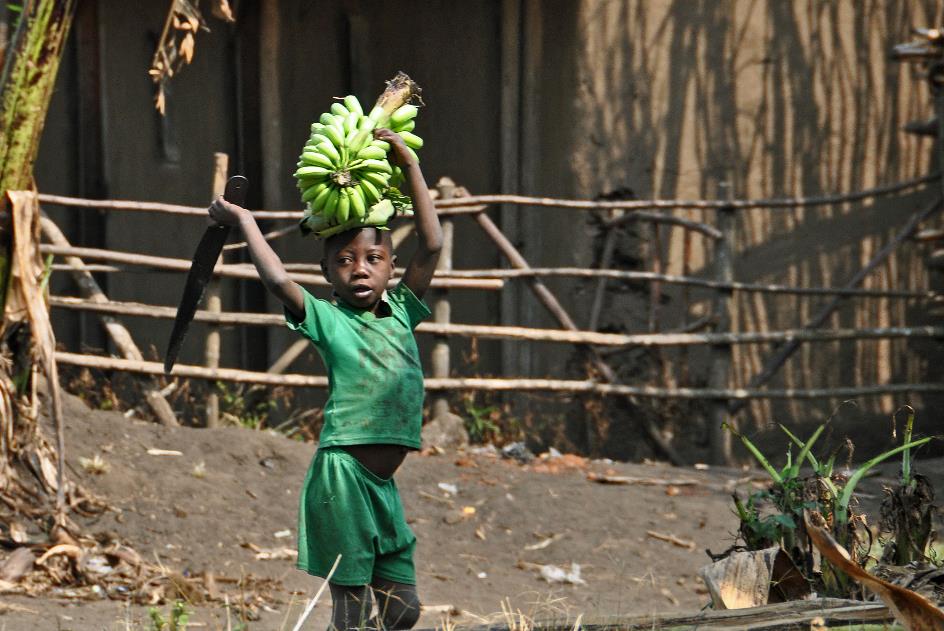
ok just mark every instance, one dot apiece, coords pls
pixel 906 511
pixel 790 494
pixel 481 421
pixel 246 406
pixel 178 620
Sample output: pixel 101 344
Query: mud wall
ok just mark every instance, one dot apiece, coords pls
pixel 780 99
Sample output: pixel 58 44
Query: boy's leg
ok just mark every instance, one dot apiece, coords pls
pixel 398 605
pixel 350 607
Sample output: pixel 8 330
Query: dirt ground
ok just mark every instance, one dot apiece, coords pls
pixel 477 546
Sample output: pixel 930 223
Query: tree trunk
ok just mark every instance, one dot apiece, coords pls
pixel 26 84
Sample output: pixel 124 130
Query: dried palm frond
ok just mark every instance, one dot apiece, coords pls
pixel 176 46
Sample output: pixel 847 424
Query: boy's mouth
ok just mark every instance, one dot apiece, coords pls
pixel 361 291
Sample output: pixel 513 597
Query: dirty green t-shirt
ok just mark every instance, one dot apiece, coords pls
pixel 375 380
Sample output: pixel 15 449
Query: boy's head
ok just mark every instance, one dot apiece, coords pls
pixel 358 263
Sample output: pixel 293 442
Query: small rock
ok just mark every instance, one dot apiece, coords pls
pixel 517 451
pixel 445 432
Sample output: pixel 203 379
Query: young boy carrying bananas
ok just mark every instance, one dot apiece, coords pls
pixel 349 501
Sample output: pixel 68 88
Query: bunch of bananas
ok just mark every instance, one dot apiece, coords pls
pixel 343 171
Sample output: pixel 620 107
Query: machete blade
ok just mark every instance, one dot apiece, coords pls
pixel 201 270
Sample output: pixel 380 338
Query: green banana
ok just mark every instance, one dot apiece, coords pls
pixel 403 114
pixel 378 179
pixel 370 152
pixel 339 110
pixel 342 212
pixel 371 194
pixel 329 150
pixel 312 192
pixel 317 159
pixel 378 165
pixel 350 123
pixel 412 140
pixel 318 202
pixel 353 105
pixel 358 203
pixel 312 172
pixel 334 135
pixel 410 125
pixel 331 203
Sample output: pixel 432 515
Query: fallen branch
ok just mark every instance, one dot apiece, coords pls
pixel 675 541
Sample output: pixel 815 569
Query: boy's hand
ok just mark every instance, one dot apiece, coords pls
pixel 398 153
pixel 226 214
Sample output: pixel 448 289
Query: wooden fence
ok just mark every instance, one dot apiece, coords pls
pixel 453 204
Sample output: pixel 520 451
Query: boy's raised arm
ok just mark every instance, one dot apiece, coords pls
pixel 267 262
pixel 419 271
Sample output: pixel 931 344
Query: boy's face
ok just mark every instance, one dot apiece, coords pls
pixel 358 264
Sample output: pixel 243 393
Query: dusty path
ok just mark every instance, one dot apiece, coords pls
pixel 478 546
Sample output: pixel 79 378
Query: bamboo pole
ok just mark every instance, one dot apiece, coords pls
pixel 706 283
pixel 214 303
pixel 618 340
pixel 118 333
pixel 441 306
pixel 245 271
pixel 779 358
pixel 548 385
pixel 292 353
pixel 737 204
pixel 579 272
pixel 719 439
pixel 474 204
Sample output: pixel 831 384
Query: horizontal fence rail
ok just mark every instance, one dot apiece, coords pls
pixel 494 384
pixel 244 271
pixel 523 333
pixel 476 203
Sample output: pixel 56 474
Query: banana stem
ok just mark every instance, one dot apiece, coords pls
pixel 400 91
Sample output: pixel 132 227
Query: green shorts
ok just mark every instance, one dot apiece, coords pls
pixel 345 509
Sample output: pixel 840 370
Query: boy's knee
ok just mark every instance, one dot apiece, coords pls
pixel 399 609
pixel 401 616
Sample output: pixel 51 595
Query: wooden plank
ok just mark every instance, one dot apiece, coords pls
pixel 791 615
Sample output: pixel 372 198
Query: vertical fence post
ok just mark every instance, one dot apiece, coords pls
pixel 214 302
pixel 441 307
pixel 720 354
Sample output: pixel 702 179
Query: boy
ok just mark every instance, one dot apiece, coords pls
pixel 349 502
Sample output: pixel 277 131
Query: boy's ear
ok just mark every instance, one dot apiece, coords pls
pixel 324 270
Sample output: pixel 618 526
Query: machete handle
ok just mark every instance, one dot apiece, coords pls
pixel 235 193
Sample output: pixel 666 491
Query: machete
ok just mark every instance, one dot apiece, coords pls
pixel 201 270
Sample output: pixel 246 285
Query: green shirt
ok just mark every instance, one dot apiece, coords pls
pixel 375 380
